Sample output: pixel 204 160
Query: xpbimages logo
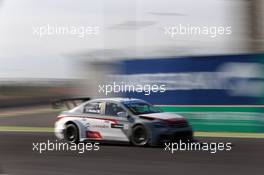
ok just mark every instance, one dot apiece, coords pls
pixel 189 30
pixel 41 147
pixel 212 147
pixel 122 87
pixel 57 30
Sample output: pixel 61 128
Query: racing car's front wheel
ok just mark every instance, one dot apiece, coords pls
pixel 139 136
pixel 71 133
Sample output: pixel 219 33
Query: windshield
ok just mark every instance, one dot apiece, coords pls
pixel 140 107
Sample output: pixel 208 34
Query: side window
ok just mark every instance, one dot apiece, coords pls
pixel 112 109
pixel 93 108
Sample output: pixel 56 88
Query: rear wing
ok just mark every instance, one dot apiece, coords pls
pixel 69 103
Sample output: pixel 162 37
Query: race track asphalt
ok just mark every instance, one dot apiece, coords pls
pixel 17 155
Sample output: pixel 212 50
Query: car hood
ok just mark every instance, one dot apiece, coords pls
pixel 162 116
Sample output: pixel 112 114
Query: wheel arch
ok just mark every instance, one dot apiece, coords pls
pixel 147 130
pixel 80 126
pixel 138 124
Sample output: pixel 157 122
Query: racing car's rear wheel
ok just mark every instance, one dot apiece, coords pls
pixel 71 133
pixel 139 136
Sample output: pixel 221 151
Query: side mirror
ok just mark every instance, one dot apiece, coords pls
pixel 122 114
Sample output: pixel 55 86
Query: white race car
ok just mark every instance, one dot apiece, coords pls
pixel 119 119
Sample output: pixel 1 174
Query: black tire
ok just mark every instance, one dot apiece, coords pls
pixel 139 136
pixel 71 133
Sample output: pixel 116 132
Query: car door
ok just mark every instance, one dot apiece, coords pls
pixel 97 124
pixel 120 125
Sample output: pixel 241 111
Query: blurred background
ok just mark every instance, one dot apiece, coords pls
pixel 217 82
pixel 67 48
